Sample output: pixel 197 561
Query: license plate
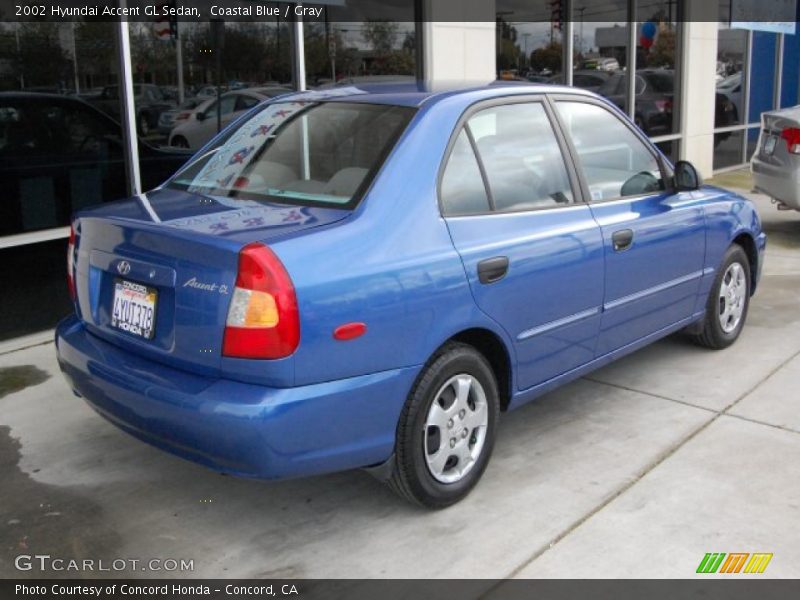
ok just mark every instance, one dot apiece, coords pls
pixel 770 143
pixel 134 308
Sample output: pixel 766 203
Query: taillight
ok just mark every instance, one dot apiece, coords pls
pixel 663 105
pixel 792 137
pixel 71 263
pixel 182 116
pixel 263 319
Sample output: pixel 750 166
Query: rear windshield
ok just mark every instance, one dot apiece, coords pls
pixel 306 153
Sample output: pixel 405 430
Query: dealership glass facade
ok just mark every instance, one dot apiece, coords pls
pixel 628 51
pixel 65 149
pixel 757 71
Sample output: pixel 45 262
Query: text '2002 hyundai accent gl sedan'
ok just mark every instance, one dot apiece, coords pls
pixel 365 278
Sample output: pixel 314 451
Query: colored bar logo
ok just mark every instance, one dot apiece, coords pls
pixel 736 562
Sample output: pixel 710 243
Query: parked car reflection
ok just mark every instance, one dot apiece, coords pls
pixel 201 125
pixel 59 154
pixel 148 100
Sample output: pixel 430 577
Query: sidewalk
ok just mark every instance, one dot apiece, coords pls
pixel 636 471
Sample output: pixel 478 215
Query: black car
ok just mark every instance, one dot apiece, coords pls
pixel 59 154
pixel 149 101
pixel 586 79
pixel 655 89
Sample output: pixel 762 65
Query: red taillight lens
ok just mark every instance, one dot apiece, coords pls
pixel 664 105
pixel 792 137
pixel 182 116
pixel 71 263
pixel 263 319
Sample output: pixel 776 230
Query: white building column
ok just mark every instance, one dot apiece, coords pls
pixel 458 51
pixel 699 84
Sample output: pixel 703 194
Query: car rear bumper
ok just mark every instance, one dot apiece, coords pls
pixel 777 182
pixel 235 427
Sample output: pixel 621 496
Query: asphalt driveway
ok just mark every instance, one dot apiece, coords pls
pixel 636 471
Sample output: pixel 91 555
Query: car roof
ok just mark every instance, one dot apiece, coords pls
pixel 417 94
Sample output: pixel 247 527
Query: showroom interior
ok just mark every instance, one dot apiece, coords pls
pixel 695 80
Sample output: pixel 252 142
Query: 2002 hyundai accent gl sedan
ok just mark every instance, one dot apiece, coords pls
pixel 367 279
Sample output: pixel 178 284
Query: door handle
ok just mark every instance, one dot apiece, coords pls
pixel 492 269
pixel 622 239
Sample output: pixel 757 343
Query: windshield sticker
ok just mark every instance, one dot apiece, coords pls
pixel 234 157
pixel 243 219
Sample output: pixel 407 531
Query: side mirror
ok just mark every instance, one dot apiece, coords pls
pixel 201 116
pixel 687 178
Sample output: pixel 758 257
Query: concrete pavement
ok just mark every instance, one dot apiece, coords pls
pixel 636 471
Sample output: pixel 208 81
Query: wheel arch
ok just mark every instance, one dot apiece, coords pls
pixel 748 244
pixel 495 351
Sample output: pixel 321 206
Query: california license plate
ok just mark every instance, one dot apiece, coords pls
pixel 134 308
pixel 770 143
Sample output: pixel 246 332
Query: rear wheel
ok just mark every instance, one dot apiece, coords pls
pixel 179 142
pixel 447 428
pixel 728 301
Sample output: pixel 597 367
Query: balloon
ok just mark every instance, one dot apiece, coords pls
pixel 649 30
pixel 645 43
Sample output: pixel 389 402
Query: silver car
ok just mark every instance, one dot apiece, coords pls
pixel 776 163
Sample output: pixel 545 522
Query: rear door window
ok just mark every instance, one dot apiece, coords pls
pixel 520 153
pixel 462 190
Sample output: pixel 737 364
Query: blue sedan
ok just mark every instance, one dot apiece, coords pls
pixel 368 277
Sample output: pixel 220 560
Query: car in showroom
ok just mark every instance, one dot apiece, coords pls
pixel 206 119
pixel 149 101
pixel 169 118
pixel 59 154
pixel 776 162
pixel 655 91
pixel 366 277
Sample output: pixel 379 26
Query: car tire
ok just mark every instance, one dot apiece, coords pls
pixel 728 302
pixel 179 142
pixel 441 453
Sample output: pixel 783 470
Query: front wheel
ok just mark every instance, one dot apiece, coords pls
pixel 728 301
pixel 447 428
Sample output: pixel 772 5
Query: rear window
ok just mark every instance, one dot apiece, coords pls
pixel 307 153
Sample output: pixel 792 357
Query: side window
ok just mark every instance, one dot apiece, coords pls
pixel 615 162
pixel 228 102
pixel 520 153
pixel 90 134
pixel 462 191
pixel 245 102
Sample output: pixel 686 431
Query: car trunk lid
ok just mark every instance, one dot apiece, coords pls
pixel 174 254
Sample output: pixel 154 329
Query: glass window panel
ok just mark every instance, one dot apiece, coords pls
pixel 214 60
pixel 61 148
pixel 731 58
pixel 601 41
pixel 615 162
pixel 752 141
pixel 346 47
pixel 728 149
pixel 657 62
pixel 671 149
pixel 529 38
pixel 523 161
pixel 462 189
pixel 325 153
